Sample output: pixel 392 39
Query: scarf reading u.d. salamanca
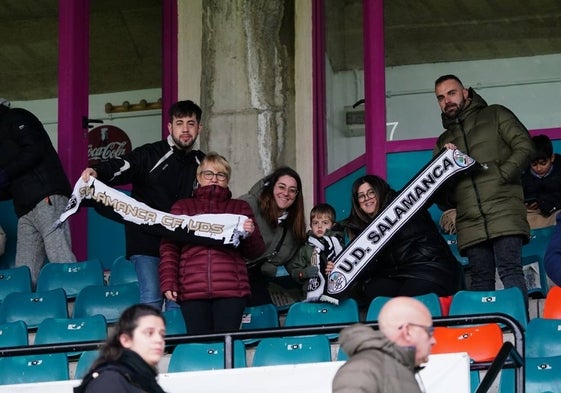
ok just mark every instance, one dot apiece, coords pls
pixel 211 229
pixel 358 254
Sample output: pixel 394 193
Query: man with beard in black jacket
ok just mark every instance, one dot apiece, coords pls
pixel 31 174
pixel 161 173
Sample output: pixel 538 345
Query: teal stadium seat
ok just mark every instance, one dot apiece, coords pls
pixel 33 307
pixel 204 356
pixel 543 338
pixel 274 351
pixel 508 301
pixel 431 300
pixel 70 276
pixel 109 301
pixel 69 330
pixel 452 240
pixel 175 323
pixel 84 363
pixel 543 374
pixel 532 260
pixel 17 279
pixel 122 271
pixel 342 355
pixel 33 368
pixel 13 334
pixel 260 317
pixel 308 313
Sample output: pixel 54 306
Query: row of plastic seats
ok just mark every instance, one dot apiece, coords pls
pixel 70 276
pixel 185 357
pixel 301 314
pixel 34 307
pixel 542 359
pixel 532 258
pixel 509 301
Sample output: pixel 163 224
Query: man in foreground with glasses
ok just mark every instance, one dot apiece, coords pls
pixel 161 173
pixel 387 360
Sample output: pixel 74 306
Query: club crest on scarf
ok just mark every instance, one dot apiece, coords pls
pixel 363 249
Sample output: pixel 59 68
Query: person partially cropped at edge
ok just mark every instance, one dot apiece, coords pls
pixel 32 176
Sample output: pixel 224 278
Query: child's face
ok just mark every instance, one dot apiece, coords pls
pixel 320 224
pixel 542 166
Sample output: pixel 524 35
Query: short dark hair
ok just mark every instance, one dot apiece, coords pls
pixel 543 148
pixel 323 209
pixel 185 108
pixel 447 77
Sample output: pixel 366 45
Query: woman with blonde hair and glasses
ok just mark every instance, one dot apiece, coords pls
pixel 416 261
pixel 210 283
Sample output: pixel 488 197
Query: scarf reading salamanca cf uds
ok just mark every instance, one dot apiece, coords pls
pixel 209 229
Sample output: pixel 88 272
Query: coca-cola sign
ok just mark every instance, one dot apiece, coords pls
pixel 105 142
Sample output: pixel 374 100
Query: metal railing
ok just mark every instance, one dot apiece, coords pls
pixel 511 355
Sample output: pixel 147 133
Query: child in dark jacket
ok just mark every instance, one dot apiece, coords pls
pixel 323 245
pixel 542 180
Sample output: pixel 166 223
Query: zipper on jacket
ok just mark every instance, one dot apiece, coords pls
pixel 473 183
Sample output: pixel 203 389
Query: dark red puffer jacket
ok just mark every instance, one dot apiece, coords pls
pixel 204 272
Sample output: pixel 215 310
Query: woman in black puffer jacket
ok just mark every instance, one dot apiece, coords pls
pixel 416 261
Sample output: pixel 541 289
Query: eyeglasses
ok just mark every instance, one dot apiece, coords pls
pixel 428 329
pixel 209 175
pixel 292 191
pixel 365 197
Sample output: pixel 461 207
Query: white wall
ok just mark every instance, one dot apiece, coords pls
pixel 141 126
pixel 529 86
pixel 441 373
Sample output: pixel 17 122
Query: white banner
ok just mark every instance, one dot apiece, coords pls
pixel 201 228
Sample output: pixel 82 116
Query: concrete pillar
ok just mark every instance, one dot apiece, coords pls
pixel 247 86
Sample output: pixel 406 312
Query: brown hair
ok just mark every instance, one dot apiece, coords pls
pixel 271 212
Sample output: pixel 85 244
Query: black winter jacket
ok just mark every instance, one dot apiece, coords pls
pixel 546 190
pixel 29 160
pixel 160 174
pixel 417 250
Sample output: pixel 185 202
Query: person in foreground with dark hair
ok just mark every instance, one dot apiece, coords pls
pixel 387 361
pixel 129 359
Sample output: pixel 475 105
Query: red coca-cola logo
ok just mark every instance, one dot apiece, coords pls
pixel 105 142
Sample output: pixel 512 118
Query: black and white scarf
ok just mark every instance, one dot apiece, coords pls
pixel 358 254
pixel 210 229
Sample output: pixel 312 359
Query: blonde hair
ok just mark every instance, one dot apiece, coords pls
pixel 218 160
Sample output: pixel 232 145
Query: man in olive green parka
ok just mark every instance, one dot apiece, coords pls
pixel 491 216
